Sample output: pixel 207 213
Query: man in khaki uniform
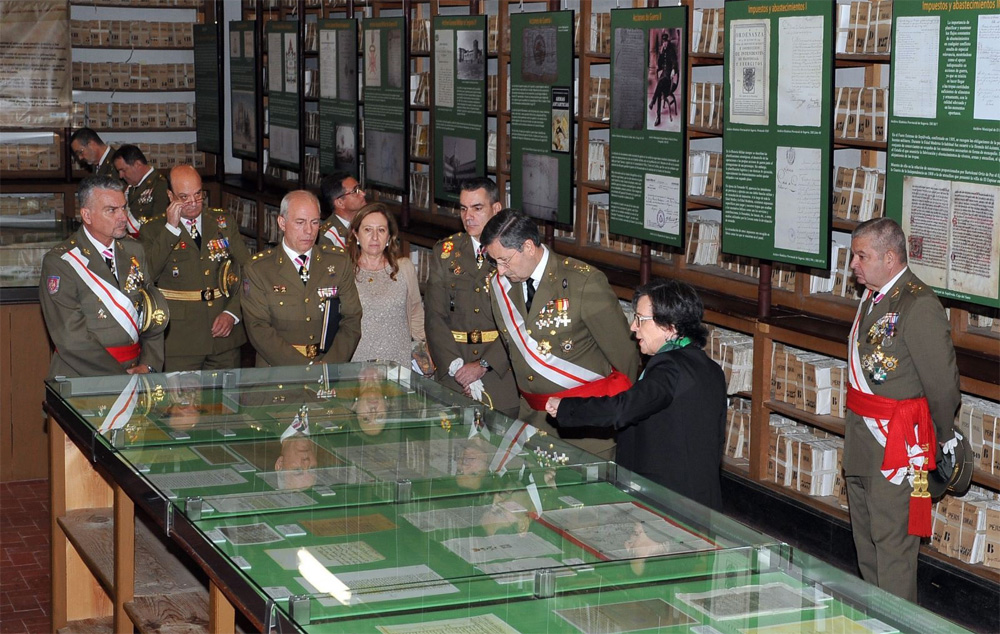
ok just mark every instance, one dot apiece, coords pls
pixel 90 150
pixel 562 325
pixel 287 289
pixel 147 187
pixel 900 350
pixel 196 258
pixel 97 296
pixel 460 326
pixel 342 192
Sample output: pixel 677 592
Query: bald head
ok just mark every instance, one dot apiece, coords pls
pixel 186 190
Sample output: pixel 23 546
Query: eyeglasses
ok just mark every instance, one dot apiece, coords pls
pixel 192 198
pixel 505 262
pixel 356 190
pixel 638 319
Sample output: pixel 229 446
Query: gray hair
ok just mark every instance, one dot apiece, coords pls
pixel 885 235
pixel 286 201
pixel 96 182
pixel 511 227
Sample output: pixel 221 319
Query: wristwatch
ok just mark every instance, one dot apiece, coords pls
pixel 483 363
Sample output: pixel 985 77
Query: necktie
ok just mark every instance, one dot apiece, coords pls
pixel 529 284
pixel 109 259
pixel 302 261
pixel 876 298
pixel 193 230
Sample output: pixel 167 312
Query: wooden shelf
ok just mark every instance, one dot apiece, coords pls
pixel 827 423
pixel 97 625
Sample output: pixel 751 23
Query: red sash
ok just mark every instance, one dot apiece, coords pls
pixel 910 435
pixel 124 354
pixel 614 383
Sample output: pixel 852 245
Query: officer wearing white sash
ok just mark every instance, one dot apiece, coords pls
pixel 103 313
pixel 902 399
pixel 561 323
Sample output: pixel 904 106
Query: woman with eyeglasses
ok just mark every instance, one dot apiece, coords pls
pixel 392 321
pixel 671 424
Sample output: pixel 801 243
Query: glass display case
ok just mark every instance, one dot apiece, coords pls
pixel 366 498
pixel 30 225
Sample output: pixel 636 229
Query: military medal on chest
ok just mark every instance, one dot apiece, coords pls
pixel 878 364
pixel 218 249
pixel 134 279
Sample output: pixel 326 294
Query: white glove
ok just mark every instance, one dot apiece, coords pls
pixel 475 388
pixel 949 447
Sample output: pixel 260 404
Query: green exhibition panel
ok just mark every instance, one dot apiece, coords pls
pixel 778 131
pixel 243 89
pixel 459 102
pixel 384 62
pixel 283 93
pixel 648 123
pixel 366 498
pixel 943 164
pixel 338 95
pixel 541 115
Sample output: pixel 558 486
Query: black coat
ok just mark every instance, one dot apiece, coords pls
pixel 670 424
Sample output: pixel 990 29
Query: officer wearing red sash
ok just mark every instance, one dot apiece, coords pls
pixel 97 296
pixel 903 395
pixel 561 323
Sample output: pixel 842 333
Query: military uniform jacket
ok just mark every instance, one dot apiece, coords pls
pixel 597 336
pixel 149 198
pixel 918 359
pixel 458 298
pixel 333 225
pixel 280 312
pixel 79 321
pixel 177 264
pixel 107 167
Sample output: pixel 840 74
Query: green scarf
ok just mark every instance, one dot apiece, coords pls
pixel 676 344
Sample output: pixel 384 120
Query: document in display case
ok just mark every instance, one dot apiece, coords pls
pixel 367 498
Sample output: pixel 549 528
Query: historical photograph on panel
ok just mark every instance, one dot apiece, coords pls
pixel 539 61
pixel 540 188
pixel 561 101
pixel 629 73
pixel 471 55
pixel 459 161
pixel 234 43
pixel 346 155
pixel 394 55
pixel 347 62
pixel 244 126
pixel 664 92
pixel 373 58
pixel 291 64
pixel 328 67
pixel 248 44
pixel 386 154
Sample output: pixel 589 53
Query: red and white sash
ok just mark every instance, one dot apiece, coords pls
pixel 119 306
pixel 334 237
pixel 132 225
pixel 563 373
pixel 121 412
pixel 878 427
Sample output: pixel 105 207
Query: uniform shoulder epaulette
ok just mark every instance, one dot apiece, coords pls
pixel 915 289
pixel 577 265
pixel 261 254
pixel 451 238
pixel 217 210
pixel 162 216
pixel 330 248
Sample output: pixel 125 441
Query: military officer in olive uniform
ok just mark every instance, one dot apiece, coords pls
pixel 147 187
pixel 900 349
pixel 459 321
pixel 288 288
pixel 562 325
pixel 89 149
pixel 196 258
pixel 97 296
pixel 345 197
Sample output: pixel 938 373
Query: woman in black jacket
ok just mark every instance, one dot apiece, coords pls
pixel 671 424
